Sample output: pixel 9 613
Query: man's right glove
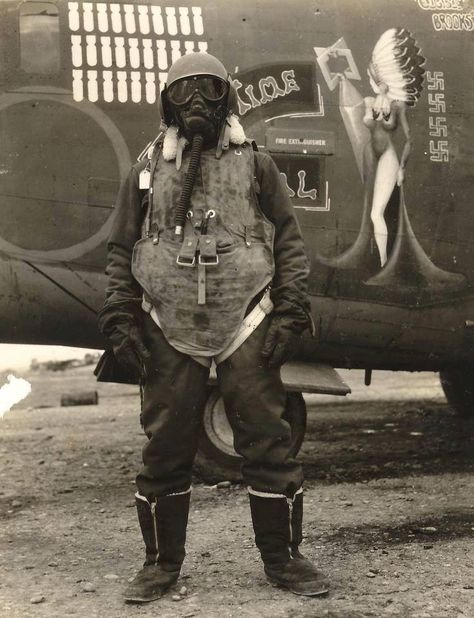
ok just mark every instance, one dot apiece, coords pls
pixel 119 322
pixel 129 347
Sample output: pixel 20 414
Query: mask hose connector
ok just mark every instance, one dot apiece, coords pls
pixel 190 179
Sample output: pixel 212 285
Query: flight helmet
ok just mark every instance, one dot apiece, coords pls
pixel 197 72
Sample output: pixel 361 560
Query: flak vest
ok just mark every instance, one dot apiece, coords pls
pixel 201 284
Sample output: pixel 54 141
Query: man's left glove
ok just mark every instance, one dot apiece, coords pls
pixel 288 320
pixel 279 344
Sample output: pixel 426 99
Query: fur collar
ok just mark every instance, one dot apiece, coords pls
pixel 173 144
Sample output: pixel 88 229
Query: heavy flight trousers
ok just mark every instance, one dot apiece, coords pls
pixel 173 400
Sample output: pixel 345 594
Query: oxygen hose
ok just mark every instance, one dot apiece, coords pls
pixel 190 178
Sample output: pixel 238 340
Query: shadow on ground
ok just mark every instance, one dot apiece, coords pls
pixel 370 440
pixel 426 531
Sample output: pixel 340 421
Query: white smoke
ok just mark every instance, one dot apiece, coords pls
pixel 12 392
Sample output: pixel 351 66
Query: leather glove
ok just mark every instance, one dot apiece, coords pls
pixel 129 347
pixel 279 345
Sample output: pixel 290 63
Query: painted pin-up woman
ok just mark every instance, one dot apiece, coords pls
pixel 396 76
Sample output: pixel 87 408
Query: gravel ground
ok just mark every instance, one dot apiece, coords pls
pixel 389 513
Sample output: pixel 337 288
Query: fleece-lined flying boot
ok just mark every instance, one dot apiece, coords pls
pixel 163 524
pixel 277 522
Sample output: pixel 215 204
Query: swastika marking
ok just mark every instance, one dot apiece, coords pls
pixel 437 103
pixel 438 127
pixel 439 151
pixel 435 80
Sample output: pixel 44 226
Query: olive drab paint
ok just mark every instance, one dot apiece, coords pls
pixel 90 75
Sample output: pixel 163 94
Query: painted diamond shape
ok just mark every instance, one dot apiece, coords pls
pixel 331 65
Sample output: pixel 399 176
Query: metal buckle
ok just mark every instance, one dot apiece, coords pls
pixel 208 261
pixel 186 261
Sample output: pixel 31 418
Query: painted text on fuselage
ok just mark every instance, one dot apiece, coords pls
pixel 269 89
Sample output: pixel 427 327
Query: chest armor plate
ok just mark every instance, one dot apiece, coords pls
pixel 243 238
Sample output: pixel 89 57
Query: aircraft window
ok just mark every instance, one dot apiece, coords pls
pixel 39 37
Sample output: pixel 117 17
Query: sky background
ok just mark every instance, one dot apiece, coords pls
pixel 385 384
pixel 18 357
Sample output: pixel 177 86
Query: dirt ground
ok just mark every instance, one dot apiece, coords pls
pixel 389 513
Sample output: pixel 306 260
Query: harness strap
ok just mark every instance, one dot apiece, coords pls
pixel 208 250
pixel 255 184
pixel 248 326
pixel 201 284
pixel 153 165
pixel 187 253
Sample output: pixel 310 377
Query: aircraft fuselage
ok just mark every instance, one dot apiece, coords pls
pixel 391 275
